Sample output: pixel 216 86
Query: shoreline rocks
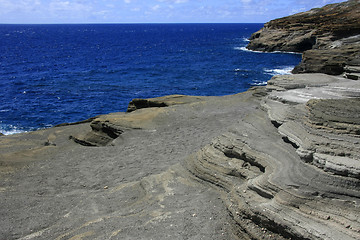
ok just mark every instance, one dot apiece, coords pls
pixel 276 162
pixel 328 37
pixel 280 161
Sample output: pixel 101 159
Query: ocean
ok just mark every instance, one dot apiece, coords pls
pixel 52 74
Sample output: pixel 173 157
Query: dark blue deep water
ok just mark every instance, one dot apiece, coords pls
pixel 51 74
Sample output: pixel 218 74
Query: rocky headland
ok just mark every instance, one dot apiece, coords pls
pixel 328 37
pixel 280 161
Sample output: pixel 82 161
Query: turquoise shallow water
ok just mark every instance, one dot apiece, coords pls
pixel 52 74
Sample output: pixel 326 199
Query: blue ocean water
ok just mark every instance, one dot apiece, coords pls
pixel 51 74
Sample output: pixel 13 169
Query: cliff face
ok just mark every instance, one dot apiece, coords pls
pixel 329 37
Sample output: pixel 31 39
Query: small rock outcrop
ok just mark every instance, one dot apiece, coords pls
pixel 328 37
pixel 164 101
pixel 140 115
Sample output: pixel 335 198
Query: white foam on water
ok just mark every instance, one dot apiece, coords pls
pixel 10 129
pixel 280 71
pixel 246 50
pixel 11 132
pixel 286 70
pixel 259 83
pixel 285 52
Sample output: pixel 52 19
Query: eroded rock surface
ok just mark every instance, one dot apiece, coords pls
pixel 322 125
pixel 106 128
pixel 165 101
pixel 291 170
pixel 276 162
pixel 329 37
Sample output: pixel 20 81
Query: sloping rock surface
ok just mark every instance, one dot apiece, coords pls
pixel 328 36
pixel 276 162
pixel 106 128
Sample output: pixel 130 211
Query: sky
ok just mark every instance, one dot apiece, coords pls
pixel 152 11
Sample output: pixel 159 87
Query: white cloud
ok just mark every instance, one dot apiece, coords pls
pixel 298 10
pixel 173 1
pixel 52 11
pixel 69 6
pixel 101 13
pixel 7 6
pixel 156 7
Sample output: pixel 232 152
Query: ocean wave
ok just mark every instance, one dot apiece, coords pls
pixel 259 83
pixel 10 129
pixel 248 50
pixel 242 70
pixel 280 71
pixel 11 132
pixel 286 52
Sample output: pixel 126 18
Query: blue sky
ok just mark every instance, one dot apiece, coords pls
pixel 151 11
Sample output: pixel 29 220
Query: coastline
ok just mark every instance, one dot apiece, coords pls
pixel 255 51
pixel 285 70
pixel 280 161
pixel 327 37
pixel 213 167
pixel 84 83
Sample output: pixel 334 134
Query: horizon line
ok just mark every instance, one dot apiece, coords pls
pixel 132 23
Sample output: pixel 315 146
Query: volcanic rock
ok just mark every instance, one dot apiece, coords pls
pixel 329 37
pixel 275 162
pixel 106 128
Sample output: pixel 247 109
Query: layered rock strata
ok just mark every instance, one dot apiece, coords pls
pixel 276 162
pixel 329 37
pixel 106 128
pixel 294 168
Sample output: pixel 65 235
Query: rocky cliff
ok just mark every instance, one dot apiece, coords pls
pixel 280 161
pixel 328 37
